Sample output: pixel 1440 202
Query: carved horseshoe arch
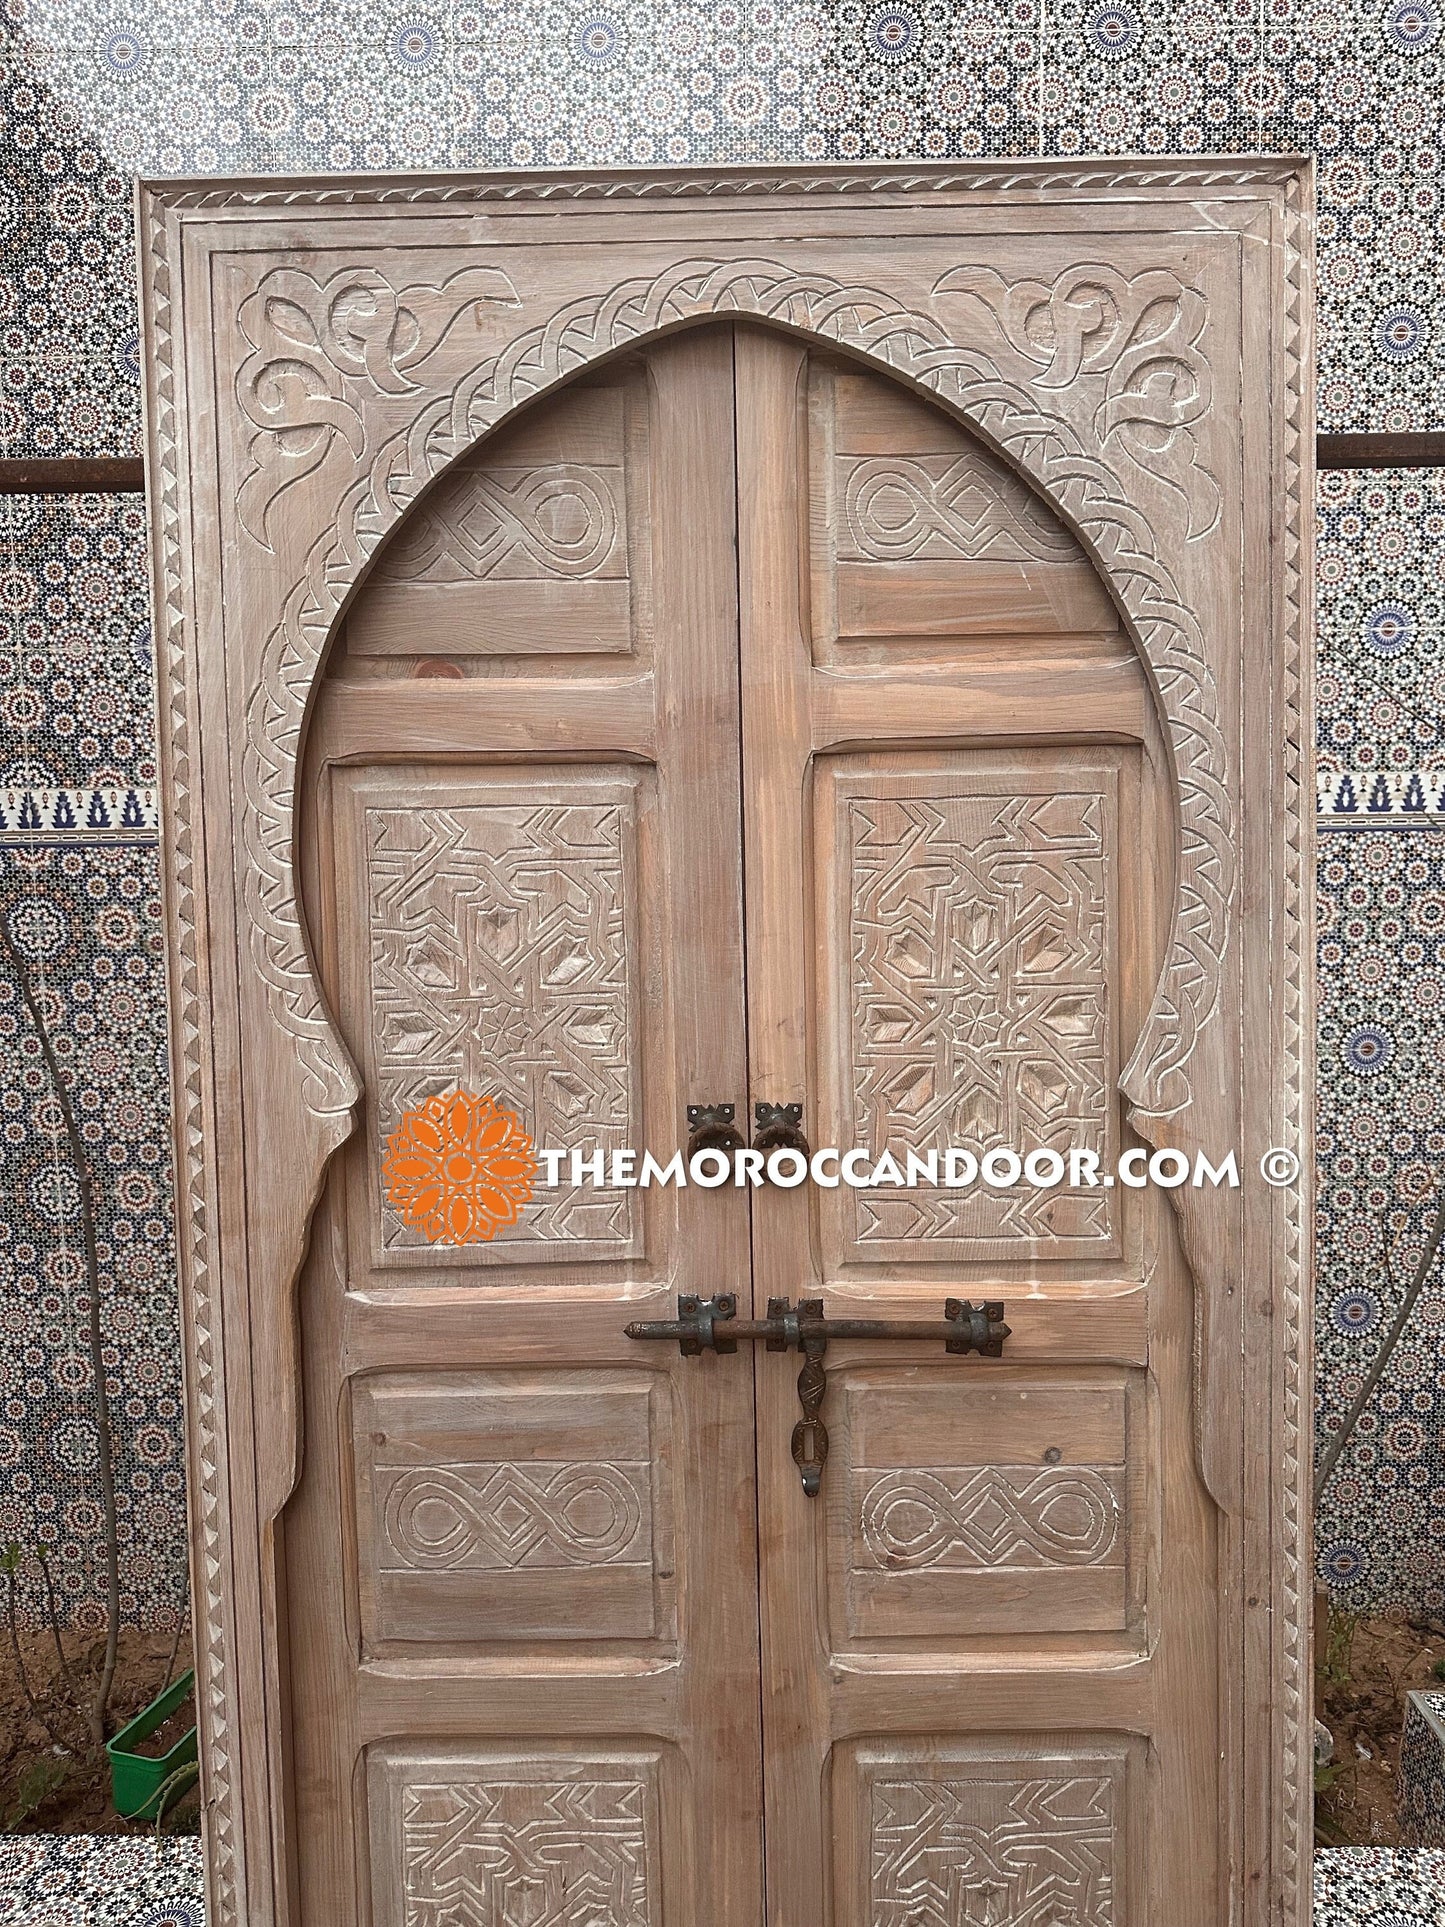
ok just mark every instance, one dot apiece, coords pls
pixel 1052 457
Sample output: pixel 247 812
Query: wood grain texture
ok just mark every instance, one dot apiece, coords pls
pixel 520 1551
pixel 973 286
pixel 974 939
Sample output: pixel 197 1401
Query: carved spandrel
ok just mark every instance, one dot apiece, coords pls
pixel 1122 351
pixel 1001 1843
pixel 979 946
pixel 498 956
pixel 317 351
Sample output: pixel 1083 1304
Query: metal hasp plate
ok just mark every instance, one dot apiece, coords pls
pixel 779 1127
pixel 712 1325
pixel 710 1127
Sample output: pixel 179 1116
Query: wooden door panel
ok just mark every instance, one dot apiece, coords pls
pixel 536 545
pixel 510 944
pixel 994 1512
pixel 1044 1829
pixel 955 925
pixel 567 1837
pixel 922 541
pixel 503 1510
pixel 969 921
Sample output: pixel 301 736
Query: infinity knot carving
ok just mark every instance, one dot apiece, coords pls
pixel 563 521
pixel 995 1516
pixel 895 507
pixel 510 1515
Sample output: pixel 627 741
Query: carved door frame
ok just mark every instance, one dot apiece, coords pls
pixel 294 413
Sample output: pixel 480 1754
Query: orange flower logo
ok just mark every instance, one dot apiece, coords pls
pixel 458 1168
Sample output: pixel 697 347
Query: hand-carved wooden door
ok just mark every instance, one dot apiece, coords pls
pixel 566 718
pixel 828 638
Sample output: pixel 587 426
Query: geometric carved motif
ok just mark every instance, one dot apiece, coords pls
pixel 979 948
pixel 900 508
pixel 498 964
pixel 561 519
pixel 505 1517
pixel 994 1846
pixel 556 1852
pixel 967 1518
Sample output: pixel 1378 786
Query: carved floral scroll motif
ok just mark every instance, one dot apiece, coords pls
pixel 309 338
pixel 1121 352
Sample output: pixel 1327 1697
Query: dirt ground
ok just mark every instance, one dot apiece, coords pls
pixel 46 1790
pixel 1363 1670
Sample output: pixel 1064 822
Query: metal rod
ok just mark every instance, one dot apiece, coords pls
pixel 72 475
pixel 921 1328
pixel 1406 448
pixel 125 475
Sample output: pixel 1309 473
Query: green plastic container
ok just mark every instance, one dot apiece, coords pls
pixel 138 1780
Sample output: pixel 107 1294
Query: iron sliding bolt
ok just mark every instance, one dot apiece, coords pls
pixel 712 1325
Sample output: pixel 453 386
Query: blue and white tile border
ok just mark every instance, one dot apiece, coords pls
pixel 43 818
pixel 1377 799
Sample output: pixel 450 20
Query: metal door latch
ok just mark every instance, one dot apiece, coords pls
pixel 712 1325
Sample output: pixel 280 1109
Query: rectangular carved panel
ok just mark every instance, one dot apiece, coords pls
pixel 534 545
pixel 919 533
pixel 501 956
pixel 992 1507
pixel 1005 1835
pixel 971 912
pixel 513 1506
pixel 527 1838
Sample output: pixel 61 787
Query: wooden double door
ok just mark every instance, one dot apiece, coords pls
pixel 733 727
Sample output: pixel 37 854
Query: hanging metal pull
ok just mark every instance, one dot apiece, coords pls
pixel 710 1127
pixel 712 1325
pixel 807 1328
pixel 779 1127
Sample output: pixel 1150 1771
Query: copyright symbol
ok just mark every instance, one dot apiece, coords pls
pixel 1279 1167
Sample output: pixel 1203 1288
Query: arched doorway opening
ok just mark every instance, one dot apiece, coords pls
pixel 732 728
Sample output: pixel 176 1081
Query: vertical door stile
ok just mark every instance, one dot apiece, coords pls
pixel 777 746
pixel 984 1641
pixel 694 510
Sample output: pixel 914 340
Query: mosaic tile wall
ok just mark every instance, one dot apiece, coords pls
pixel 79 888
pixel 94 91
